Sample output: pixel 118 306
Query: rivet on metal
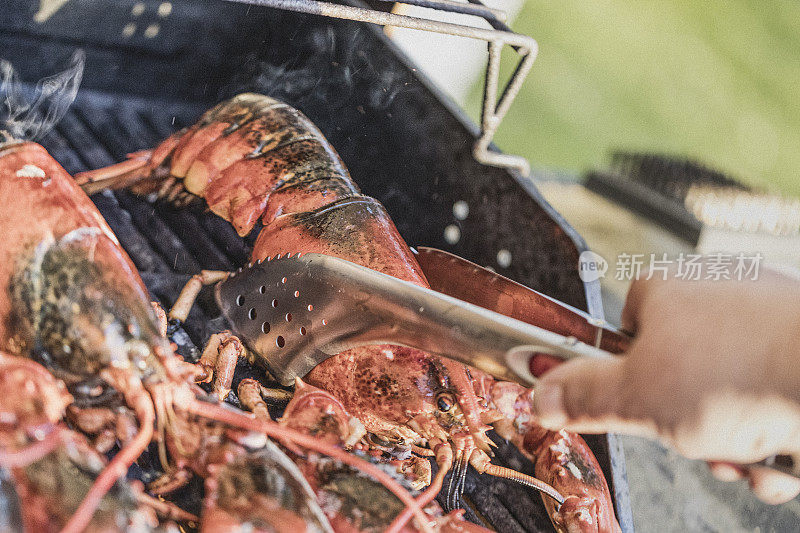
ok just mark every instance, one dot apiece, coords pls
pixel 164 9
pixel 452 234
pixel 152 31
pixel 504 258
pixel 461 210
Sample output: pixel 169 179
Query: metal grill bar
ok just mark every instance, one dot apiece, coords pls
pixel 500 35
pixel 166 246
pixel 454 6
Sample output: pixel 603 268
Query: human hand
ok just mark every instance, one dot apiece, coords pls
pixel 714 371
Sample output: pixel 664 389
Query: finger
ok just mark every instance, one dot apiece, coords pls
pixel 726 471
pixel 633 304
pixel 584 395
pixel 773 487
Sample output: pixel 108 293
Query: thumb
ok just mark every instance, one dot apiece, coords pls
pixel 587 396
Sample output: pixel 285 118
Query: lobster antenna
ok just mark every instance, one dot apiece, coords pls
pixel 526 480
pixel 275 430
pixel 426 497
pixel 116 468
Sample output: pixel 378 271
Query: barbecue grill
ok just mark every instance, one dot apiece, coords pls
pixel 152 67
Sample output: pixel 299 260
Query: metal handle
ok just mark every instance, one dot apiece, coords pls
pixel 496 100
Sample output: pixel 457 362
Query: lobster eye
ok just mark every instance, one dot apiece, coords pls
pixel 445 401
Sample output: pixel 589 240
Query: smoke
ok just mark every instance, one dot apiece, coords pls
pixel 30 113
pixel 330 69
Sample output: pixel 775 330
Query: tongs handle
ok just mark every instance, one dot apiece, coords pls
pixel 453 275
pixel 349 305
pixel 457 277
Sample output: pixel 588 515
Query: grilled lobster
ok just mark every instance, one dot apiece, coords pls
pixel 352 501
pixel 253 159
pixel 71 300
pixel 49 466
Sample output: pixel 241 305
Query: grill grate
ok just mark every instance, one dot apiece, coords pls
pixel 656 186
pixel 169 245
pixel 404 142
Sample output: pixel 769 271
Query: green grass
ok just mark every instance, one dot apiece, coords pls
pixel 715 80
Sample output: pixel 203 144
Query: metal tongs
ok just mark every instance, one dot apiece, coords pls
pixel 298 310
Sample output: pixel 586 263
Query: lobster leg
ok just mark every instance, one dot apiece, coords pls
pixel 170 482
pixel 161 318
pixel 119 465
pixel 249 393
pixel 218 362
pixel 561 459
pixel 188 295
pixel 256 398
pixel 223 350
pixel 166 509
pixel 106 426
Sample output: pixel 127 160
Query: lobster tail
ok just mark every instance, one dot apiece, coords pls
pixel 249 157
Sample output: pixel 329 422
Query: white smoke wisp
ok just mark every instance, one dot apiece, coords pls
pixel 29 113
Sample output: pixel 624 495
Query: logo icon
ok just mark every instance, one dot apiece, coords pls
pixel 591 266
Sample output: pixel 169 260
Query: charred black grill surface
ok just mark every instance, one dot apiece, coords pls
pixel 168 245
pixel 403 142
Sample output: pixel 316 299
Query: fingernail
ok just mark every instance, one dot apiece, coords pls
pixel 548 402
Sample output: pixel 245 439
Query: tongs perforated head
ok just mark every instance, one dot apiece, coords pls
pixel 296 311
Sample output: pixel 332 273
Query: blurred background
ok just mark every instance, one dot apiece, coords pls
pixel 715 80
pixel 713 83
